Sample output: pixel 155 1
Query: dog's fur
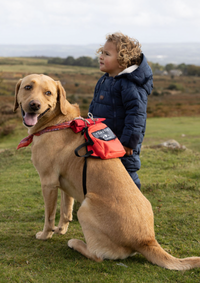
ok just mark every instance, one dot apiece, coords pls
pixel 116 218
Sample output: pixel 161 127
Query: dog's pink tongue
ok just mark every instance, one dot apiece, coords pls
pixel 30 119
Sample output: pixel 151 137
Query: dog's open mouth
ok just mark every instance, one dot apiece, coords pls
pixel 31 119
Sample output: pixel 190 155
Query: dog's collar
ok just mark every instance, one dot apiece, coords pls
pixel 26 141
pixel 77 125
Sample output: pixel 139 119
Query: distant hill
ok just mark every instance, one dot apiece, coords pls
pixel 176 53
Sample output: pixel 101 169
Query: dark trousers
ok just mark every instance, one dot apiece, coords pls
pixel 132 165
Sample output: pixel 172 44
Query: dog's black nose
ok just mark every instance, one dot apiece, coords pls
pixel 34 105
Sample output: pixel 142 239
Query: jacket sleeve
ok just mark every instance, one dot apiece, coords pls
pixel 135 103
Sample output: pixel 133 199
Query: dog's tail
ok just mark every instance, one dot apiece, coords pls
pixel 155 254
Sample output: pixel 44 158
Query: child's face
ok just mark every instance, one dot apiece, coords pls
pixel 108 60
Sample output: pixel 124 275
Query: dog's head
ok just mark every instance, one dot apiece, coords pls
pixel 38 96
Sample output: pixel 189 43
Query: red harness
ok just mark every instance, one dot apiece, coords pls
pixel 77 125
pixel 101 142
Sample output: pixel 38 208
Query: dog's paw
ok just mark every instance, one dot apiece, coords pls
pixel 71 243
pixel 43 235
pixel 60 230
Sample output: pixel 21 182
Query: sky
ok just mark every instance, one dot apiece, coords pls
pixel 83 22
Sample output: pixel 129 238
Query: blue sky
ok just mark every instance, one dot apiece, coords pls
pixel 83 22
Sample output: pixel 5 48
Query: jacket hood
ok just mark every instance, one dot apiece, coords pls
pixel 141 76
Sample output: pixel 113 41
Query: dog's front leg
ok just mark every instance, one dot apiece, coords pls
pixel 66 208
pixel 50 199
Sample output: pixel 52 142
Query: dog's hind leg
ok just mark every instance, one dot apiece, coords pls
pixel 81 247
pixel 66 208
pixel 99 243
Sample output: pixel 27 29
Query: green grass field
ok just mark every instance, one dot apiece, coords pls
pixel 170 180
pixel 185 130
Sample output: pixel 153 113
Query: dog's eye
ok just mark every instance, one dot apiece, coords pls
pixel 48 93
pixel 28 87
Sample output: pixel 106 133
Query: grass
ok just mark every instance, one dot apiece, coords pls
pixel 185 130
pixel 11 140
pixel 170 180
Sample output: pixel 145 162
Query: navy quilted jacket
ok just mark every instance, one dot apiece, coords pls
pixel 122 100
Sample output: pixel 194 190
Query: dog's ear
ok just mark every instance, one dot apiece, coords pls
pixel 72 110
pixel 16 104
pixel 62 98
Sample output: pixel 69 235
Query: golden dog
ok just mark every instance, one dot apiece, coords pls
pixel 116 218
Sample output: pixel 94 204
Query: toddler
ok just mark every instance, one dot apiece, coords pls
pixel 121 95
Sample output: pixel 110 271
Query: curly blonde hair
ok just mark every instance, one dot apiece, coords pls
pixel 128 49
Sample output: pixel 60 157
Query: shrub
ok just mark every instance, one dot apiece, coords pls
pixel 85 100
pixel 157 93
pixel 6 130
pixel 172 87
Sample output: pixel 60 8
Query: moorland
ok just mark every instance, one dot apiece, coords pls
pixel 173 96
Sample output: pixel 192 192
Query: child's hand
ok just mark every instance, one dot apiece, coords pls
pixel 128 150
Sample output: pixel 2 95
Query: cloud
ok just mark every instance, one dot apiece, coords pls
pixel 88 21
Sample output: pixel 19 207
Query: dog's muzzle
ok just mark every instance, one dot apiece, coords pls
pixel 31 118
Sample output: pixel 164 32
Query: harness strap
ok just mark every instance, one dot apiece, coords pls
pixel 88 153
pixel 84 179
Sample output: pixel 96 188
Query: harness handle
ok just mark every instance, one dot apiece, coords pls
pixel 90 115
pixel 88 153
